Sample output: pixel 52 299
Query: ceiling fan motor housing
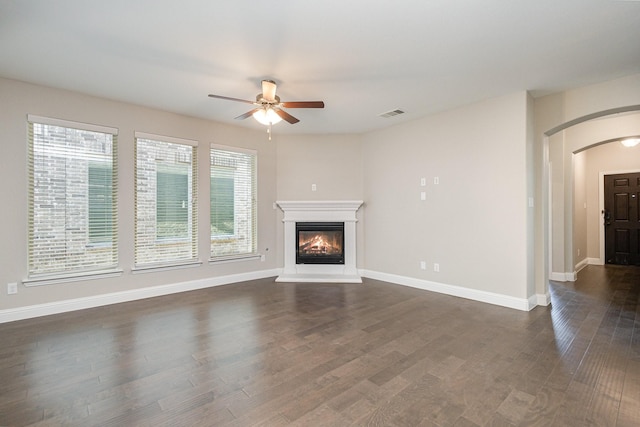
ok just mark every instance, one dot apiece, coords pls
pixel 260 99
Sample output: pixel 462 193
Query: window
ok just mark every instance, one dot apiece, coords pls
pixel 100 203
pixel 172 196
pixel 233 202
pixel 222 207
pixel 72 198
pixel 165 201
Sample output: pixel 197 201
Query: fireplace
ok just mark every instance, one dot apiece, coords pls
pixel 328 258
pixel 320 243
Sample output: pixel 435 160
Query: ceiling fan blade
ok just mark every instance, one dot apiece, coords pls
pixel 247 114
pixel 231 99
pixel 286 116
pixel 303 104
pixel 269 90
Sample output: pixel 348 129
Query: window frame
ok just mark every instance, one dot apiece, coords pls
pixel 251 181
pixel 76 264
pixel 146 244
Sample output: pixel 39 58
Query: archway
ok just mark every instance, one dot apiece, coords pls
pixel 560 145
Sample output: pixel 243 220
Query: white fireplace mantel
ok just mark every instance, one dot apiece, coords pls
pixel 320 211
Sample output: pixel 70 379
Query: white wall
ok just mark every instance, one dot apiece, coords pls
pixel 19 99
pixel 474 222
pixel 332 162
pixel 587 100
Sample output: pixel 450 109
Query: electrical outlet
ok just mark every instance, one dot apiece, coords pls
pixel 12 288
pixel 313 187
pixel 423 195
pixel 423 265
pixel 436 267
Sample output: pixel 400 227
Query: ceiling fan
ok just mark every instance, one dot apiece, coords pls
pixel 268 109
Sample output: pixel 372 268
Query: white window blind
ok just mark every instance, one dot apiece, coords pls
pixel 165 201
pixel 233 202
pixel 72 197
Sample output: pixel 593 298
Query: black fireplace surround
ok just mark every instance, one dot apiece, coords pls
pixel 320 243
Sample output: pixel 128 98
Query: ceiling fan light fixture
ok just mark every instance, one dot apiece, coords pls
pixel 267 116
pixel 630 142
pixel 269 90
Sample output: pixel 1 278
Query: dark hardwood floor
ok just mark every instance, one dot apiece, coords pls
pixel 269 354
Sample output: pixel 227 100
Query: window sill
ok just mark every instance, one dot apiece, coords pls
pixel 72 277
pixel 164 267
pixel 235 258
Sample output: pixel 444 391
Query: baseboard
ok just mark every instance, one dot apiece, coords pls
pixel 595 261
pixel 582 264
pixel 38 310
pixel 20 313
pixel 457 291
pixel 563 277
pixel 543 299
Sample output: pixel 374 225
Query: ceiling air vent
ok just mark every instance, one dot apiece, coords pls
pixel 391 113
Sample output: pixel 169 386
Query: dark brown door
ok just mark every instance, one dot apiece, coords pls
pixel 621 218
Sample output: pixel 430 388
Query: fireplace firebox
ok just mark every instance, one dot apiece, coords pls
pixel 320 243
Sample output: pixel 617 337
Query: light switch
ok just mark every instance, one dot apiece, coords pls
pixel 423 182
pixel 423 195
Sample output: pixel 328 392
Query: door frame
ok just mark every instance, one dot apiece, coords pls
pixel 601 175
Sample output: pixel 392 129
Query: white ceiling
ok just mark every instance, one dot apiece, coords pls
pixel 361 57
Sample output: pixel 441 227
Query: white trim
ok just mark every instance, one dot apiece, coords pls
pixel 595 261
pixel 163 138
pixel 311 277
pixel 164 267
pixel 67 278
pixel 523 304
pixel 557 277
pixel 543 299
pixel 582 264
pixel 298 210
pixel 233 149
pixel 570 276
pixel 235 258
pixel 69 124
pixel 13 314
pixel 28 312
pixel 549 213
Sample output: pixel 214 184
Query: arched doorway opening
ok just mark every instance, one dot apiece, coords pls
pixel 560 147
